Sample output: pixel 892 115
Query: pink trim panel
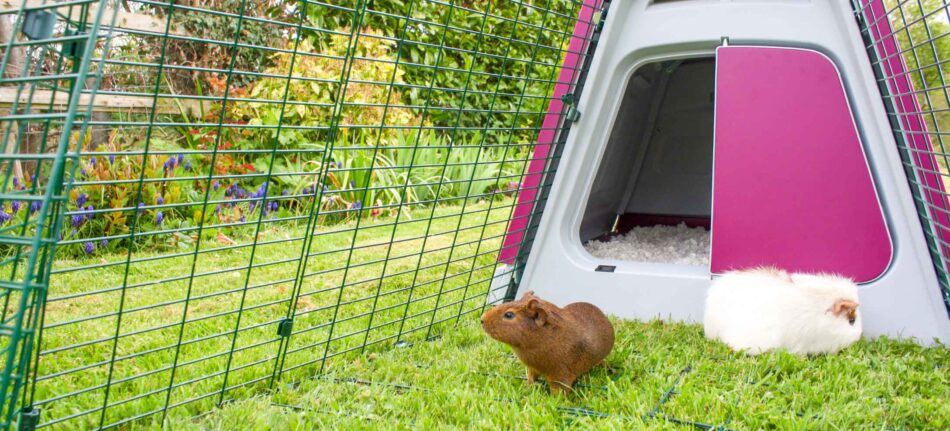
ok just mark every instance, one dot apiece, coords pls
pixel 916 137
pixel 567 77
pixel 791 185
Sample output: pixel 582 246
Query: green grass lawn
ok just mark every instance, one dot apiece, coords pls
pixel 198 329
pixel 662 376
pixel 194 346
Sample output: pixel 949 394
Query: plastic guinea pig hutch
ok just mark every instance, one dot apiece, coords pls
pixel 757 124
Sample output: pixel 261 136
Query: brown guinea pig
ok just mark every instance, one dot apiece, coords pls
pixel 558 343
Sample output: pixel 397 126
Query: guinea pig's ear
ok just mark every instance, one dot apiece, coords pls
pixel 528 294
pixel 844 307
pixel 536 311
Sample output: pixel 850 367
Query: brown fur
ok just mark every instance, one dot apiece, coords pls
pixel 560 344
pixel 846 308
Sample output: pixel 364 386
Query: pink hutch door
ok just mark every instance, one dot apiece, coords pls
pixel 791 184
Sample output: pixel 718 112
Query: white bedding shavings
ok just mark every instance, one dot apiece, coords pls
pixel 659 244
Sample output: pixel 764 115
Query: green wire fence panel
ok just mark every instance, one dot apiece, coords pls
pixel 909 47
pixel 249 189
pixel 42 121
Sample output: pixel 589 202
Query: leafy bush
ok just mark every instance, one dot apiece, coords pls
pixel 414 124
pixel 518 39
pixel 314 96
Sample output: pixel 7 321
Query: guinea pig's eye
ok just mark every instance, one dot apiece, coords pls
pixel 851 319
pixel 509 315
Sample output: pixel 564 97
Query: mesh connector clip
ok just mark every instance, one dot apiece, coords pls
pixel 38 24
pixel 573 115
pixel 285 327
pixel 29 418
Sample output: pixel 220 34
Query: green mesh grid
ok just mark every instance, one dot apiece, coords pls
pixel 240 192
pixel 908 42
pixel 41 118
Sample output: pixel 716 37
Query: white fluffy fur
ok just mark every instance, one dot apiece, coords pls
pixel 660 244
pixel 761 310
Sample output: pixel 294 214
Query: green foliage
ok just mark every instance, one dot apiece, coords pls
pixel 921 29
pixel 375 181
pixel 507 50
pixel 203 26
pixel 114 188
pixel 923 43
pixel 424 120
pixel 314 96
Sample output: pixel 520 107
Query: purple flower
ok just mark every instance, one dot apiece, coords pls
pixel 15 206
pixel 159 217
pixel 252 205
pixel 265 211
pixel 352 184
pixel 35 206
pixel 356 205
pixel 141 206
pixel 160 200
pixel 188 166
pixel 274 206
pixel 4 217
pixel 111 159
pixel 339 165
pixel 89 248
pixel 81 199
pixel 16 181
pixel 227 192
pixel 76 220
pixel 242 219
pixel 285 192
pixel 104 243
pixel 215 185
pixel 324 188
pixel 180 158
pixel 217 209
pixel 92 160
pixel 82 172
pixel 306 190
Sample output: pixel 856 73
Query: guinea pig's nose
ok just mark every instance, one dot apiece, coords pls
pixel 482 320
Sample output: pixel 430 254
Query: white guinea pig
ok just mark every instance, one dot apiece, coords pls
pixel 764 309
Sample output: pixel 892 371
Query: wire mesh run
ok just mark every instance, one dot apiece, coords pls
pixel 42 119
pixel 909 47
pixel 239 192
